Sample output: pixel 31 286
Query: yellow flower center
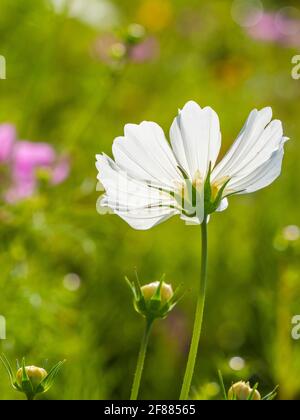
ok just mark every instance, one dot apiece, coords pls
pixel 217 185
pixel 189 193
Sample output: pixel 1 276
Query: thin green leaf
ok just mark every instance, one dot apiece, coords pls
pixel 271 396
pixel 222 385
pixel 250 398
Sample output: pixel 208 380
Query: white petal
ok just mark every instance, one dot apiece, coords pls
pixel 146 155
pixel 144 220
pixel 261 177
pixel 254 145
pixel 196 138
pixel 125 191
pixel 223 205
pixel 270 141
pixel 196 221
pixel 191 220
pixel 137 203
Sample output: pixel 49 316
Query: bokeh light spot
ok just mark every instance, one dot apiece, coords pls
pixel 72 282
pixel 247 13
pixel 237 363
pixel 291 233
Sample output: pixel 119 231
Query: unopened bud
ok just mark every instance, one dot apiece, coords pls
pixel 154 300
pixel 35 375
pixel 242 391
pixel 31 380
pixel 150 289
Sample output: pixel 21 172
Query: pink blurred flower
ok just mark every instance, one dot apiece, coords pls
pixel 60 171
pixel 147 50
pixel 103 48
pixel 24 160
pixel 20 190
pixel 27 157
pixel 110 49
pixel 7 140
pixel 275 27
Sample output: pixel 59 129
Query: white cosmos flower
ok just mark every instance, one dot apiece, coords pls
pixel 100 14
pixel 150 180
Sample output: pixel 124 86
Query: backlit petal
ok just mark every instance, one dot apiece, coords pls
pixel 196 138
pixel 145 154
pixel 140 205
pixel 254 143
pixel 261 177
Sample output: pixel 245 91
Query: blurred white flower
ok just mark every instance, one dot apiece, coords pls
pixel 148 181
pixel 101 14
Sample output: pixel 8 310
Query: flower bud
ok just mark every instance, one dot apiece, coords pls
pixel 154 300
pixel 35 375
pixel 31 380
pixel 243 391
pixel 150 289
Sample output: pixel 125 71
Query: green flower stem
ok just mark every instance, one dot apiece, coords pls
pixel 198 319
pixel 141 361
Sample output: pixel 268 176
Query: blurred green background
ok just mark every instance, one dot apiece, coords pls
pixel 62 288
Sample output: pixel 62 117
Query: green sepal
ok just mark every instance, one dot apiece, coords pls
pixel 183 173
pixel 26 384
pixel 219 197
pixel 138 286
pixel 210 204
pixel 140 306
pixel 139 302
pixel 250 398
pixel 207 189
pixel 157 294
pixel 11 375
pixel 132 287
pixel 170 305
pixel 47 382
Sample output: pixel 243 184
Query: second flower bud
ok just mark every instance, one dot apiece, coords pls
pixel 153 300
